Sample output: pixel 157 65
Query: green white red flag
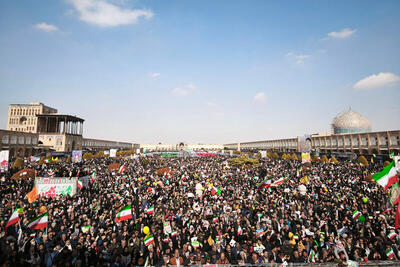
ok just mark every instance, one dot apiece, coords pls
pixel 13 219
pixel 124 214
pixel 149 239
pixel 39 222
pixel 387 177
pixel 122 169
pixel 150 210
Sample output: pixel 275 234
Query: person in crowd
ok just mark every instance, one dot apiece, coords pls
pixel 199 211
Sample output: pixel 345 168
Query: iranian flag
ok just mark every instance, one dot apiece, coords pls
pixel 266 183
pixel 390 253
pixel 150 210
pixel 195 244
pixel 122 169
pixel 279 181
pixel 182 180
pixel 149 239
pixel 124 214
pixel 240 230
pixel 215 190
pixel 86 229
pixel 174 233
pixel 387 177
pixel 93 176
pixel 392 235
pixel 356 215
pixel 39 222
pixel 80 184
pixel 312 256
pixel 13 219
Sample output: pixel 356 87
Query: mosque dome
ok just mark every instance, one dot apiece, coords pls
pixel 350 122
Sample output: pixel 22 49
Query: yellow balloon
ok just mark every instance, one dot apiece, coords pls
pixel 146 230
pixel 203 188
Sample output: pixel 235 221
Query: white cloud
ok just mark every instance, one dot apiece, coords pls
pixel 185 90
pixel 299 58
pixel 342 34
pixel 154 75
pixel 380 80
pixel 260 97
pixel 46 27
pixel 105 14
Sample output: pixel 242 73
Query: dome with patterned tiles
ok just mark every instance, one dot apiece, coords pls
pixel 350 122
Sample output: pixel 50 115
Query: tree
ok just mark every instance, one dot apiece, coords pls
pixel 386 163
pixel 87 156
pixel 41 161
pixel 362 160
pixel 69 159
pixel 294 156
pixel 275 155
pixel 99 154
pixel 315 159
pixel 324 159
pixel 18 163
pixel 269 154
pixel 333 160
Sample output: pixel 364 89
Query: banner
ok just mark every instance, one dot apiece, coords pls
pixel 113 153
pixel 263 154
pixel 51 187
pixel 76 156
pixel 4 154
pixel 305 157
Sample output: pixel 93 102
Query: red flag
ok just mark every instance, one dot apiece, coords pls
pixel 397 221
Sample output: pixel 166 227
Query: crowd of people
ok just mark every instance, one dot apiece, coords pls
pixel 205 212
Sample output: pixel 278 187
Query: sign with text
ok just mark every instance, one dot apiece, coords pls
pixel 4 154
pixel 51 187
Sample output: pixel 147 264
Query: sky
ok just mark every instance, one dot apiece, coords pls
pixel 149 71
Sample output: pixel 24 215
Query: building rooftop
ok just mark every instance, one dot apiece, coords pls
pixel 61 116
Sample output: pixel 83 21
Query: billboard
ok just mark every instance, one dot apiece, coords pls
pixel 4 160
pixel 51 187
pixel 305 143
pixel 305 157
pixel 76 156
pixel 113 153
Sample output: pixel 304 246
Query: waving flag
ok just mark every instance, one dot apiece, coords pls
pixel 124 214
pixel 80 184
pixel 39 222
pixel 150 210
pixel 149 239
pixel 266 183
pixel 13 219
pixel 387 177
pixel 122 169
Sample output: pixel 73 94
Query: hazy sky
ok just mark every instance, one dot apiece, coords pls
pixel 202 71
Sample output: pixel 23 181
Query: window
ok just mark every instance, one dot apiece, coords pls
pixel 28 140
pixel 13 140
pixel 34 140
pixel 5 139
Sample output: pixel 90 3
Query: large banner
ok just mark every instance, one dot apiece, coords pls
pixel 51 187
pixel 76 156
pixel 305 157
pixel 4 160
pixel 113 153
